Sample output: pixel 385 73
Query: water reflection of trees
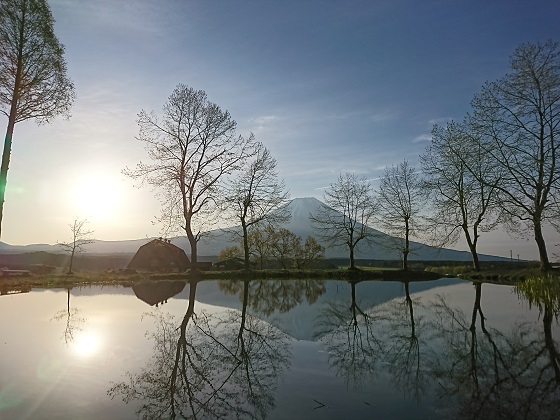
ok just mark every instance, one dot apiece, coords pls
pixel 206 367
pixel 406 344
pixel 476 369
pixel 347 333
pixel 496 374
pixel 267 296
pixel 73 322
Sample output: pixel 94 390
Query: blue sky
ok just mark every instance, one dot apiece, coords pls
pixel 327 86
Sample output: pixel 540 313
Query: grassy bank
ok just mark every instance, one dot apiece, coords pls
pixel 56 280
pixel 127 279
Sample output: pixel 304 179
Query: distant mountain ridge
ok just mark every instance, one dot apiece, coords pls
pixel 300 224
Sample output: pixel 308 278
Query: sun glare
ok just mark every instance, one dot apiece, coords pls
pixel 96 197
pixel 86 344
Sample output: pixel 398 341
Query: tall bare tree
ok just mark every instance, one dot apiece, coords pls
pixel 257 195
pixel 33 81
pixel 191 149
pixel 349 209
pixel 519 117
pixel 81 236
pixel 461 182
pixel 400 204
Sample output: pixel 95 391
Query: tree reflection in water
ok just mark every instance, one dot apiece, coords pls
pixel 406 344
pixel 266 296
pixel 74 322
pixel 498 375
pixel 347 333
pixel 211 369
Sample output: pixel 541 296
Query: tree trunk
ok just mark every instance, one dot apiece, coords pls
pixel 11 123
pixel 192 242
pixel 406 249
pixel 541 244
pixel 5 164
pixel 245 245
pixel 8 149
pixel 472 247
pixel 352 265
pixel 71 262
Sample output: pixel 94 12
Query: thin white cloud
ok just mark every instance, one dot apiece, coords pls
pixel 440 120
pixel 262 122
pixel 383 116
pixel 421 138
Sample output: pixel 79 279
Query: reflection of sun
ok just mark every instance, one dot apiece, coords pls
pixel 96 196
pixel 86 344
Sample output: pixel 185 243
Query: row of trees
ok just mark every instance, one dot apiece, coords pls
pixel 497 167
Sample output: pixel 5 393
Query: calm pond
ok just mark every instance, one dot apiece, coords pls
pixel 279 350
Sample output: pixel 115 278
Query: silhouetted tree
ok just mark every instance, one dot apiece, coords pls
pixel 80 238
pixel 33 81
pixel 519 118
pixel 344 220
pixel 191 150
pixel 461 181
pixel 257 195
pixel 400 204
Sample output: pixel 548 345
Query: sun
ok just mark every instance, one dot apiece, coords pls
pixel 96 197
pixel 86 344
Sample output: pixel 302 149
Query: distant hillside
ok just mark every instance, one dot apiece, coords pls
pixel 300 224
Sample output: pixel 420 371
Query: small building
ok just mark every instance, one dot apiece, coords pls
pixel 160 255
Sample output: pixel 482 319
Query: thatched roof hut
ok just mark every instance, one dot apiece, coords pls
pixel 160 255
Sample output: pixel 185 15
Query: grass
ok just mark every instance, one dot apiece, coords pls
pixel 81 278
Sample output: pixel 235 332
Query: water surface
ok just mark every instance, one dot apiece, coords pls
pixel 279 349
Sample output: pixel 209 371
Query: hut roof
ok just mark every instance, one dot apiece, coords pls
pixel 160 255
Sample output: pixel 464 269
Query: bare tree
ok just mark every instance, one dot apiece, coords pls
pixel 309 253
pixel 81 236
pixel 519 117
pixel 191 150
pixel 260 244
pixel 33 81
pixel 400 204
pixel 283 245
pixel 257 195
pixel 461 182
pixel 229 253
pixel 344 220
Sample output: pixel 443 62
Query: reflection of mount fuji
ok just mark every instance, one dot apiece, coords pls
pixel 300 224
pixel 300 321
